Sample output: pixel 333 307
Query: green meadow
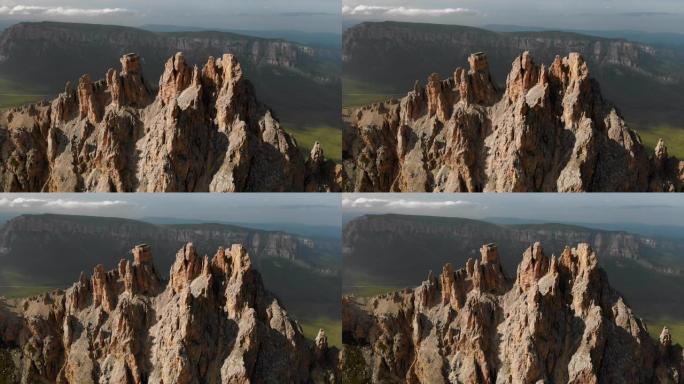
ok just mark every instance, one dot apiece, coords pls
pixel 358 93
pixel 360 284
pixel 15 285
pixel 332 327
pixel 673 136
pixel 676 328
pixel 329 137
pixel 12 94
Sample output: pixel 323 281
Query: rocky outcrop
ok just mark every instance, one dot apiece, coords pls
pixel 214 322
pixel 557 321
pixel 203 131
pixel 549 130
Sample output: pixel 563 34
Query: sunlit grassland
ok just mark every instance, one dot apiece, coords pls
pixel 358 93
pixel 362 285
pixel 15 285
pixel 676 327
pixel 332 327
pixel 673 136
pixel 329 137
pixel 12 95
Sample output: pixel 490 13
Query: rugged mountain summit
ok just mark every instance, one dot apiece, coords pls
pixel 213 322
pixel 557 321
pixel 204 130
pixel 549 130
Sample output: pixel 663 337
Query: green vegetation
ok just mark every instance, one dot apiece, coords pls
pixel 358 93
pixel 673 136
pixel 332 328
pixel 7 369
pixel 16 285
pixel 363 285
pixel 355 369
pixel 676 327
pixel 329 137
pixel 12 94
pixel 369 289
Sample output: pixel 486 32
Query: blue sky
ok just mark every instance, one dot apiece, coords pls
pixel 326 209
pixel 647 208
pixel 652 15
pixel 307 209
pixel 301 15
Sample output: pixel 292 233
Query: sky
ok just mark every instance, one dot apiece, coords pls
pixel 650 16
pixel 314 16
pixel 648 209
pixel 306 209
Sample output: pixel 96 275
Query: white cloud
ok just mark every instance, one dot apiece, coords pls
pixel 24 202
pixel 32 10
pixel 369 10
pixel 363 202
pixel 366 202
pixel 411 204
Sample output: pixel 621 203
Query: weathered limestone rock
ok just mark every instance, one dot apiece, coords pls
pixel 214 322
pixel 548 130
pixel 203 131
pixel 557 321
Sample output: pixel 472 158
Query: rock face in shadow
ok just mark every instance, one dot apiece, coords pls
pixel 549 130
pixel 557 321
pixel 204 130
pixel 213 322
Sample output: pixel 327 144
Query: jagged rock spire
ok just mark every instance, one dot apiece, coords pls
pixel 214 322
pixel 543 133
pixel 204 131
pixel 548 326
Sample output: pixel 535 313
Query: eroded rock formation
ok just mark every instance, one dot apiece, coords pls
pixel 214 322
pixel 548 130
pixel 557 321
pixel 204 130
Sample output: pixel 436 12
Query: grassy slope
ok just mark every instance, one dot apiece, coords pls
pixel 358 93
pixel 12 94
pixel 17 285
pixel 673 136
pixel 364 285
pixel 329 137
pixel 332 327
pixel 676 328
